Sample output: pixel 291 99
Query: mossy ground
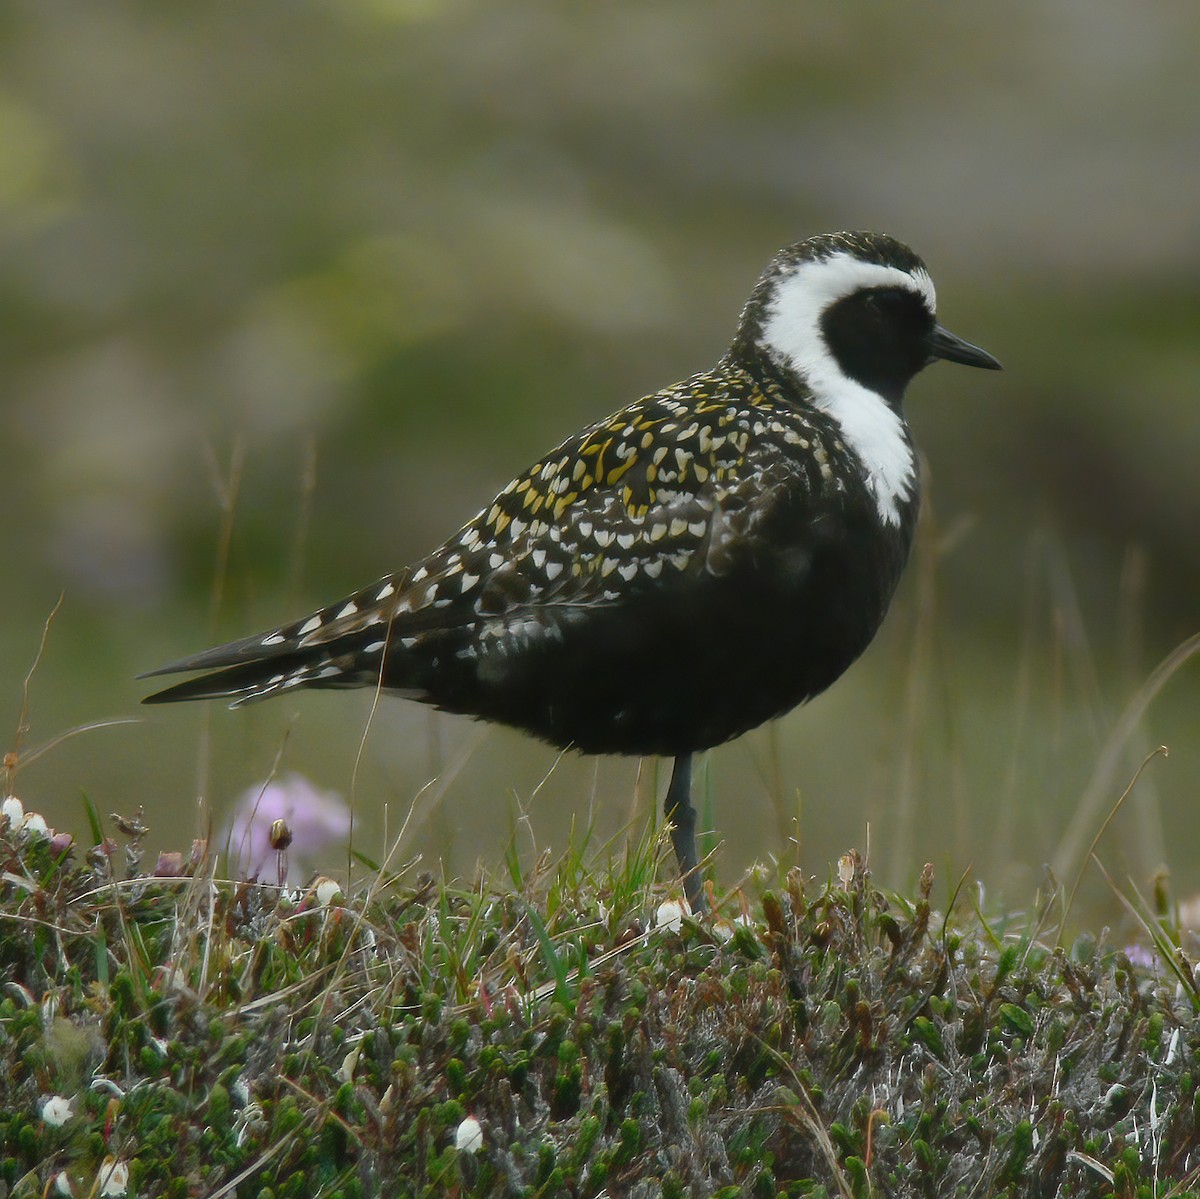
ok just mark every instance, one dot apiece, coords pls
pixel 232 1039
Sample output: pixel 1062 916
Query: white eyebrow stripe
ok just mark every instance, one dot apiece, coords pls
pixel 792 333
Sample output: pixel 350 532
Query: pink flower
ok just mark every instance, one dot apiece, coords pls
pixel 316 819
pixel 1139 955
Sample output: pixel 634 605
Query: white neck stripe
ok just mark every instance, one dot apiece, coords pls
pixel 792 333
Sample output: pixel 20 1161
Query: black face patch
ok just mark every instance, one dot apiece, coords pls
pixel 879 337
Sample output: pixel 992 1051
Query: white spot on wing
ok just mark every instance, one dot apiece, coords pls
pixel 273 639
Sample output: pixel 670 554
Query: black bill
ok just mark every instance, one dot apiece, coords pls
pixel 944 344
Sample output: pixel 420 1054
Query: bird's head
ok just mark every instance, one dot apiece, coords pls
pixel 851 306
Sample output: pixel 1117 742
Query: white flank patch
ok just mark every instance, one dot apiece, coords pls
pixel 793 332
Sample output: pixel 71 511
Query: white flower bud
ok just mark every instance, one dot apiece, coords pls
pixel 56 1111
pixel 468 1136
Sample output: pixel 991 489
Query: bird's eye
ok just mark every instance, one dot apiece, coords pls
pixel 882 301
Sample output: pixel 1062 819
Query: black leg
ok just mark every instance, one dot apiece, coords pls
pixel 679 811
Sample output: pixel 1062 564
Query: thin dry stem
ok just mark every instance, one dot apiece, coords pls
pixel 12 760
pixel 1070 847
pixel 1162 749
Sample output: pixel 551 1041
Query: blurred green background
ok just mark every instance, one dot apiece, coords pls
pixel 322 277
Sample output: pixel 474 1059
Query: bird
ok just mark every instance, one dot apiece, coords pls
pixel 703 561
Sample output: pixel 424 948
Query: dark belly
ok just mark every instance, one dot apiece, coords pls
pixel 677 672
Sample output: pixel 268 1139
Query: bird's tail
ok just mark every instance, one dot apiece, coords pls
pixel 243 681
pixel 343 645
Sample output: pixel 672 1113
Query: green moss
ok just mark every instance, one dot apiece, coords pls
pixel 927 1033
pixel 456 1076
pixel 449 1114
pixel 1016 1019
pixel 916 1054
pixel 220 1107
pixel 672 1186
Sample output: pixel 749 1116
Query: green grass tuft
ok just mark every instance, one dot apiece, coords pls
pixel 236 1039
